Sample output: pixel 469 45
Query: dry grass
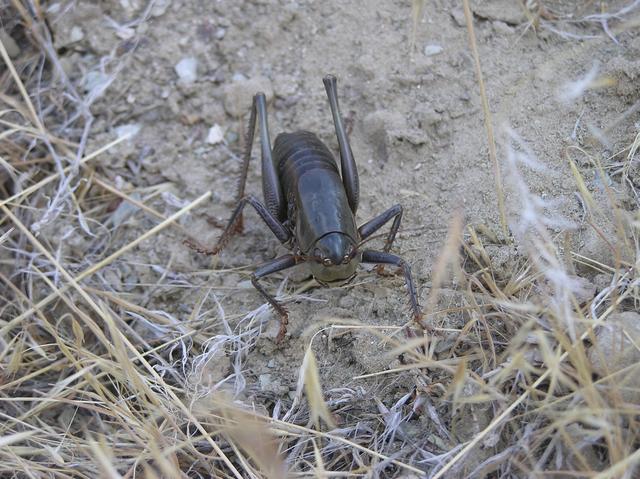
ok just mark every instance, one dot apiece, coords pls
pixel 99 382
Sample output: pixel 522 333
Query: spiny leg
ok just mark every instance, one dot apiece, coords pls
pixel 278 229
pixel 379 221
pixel 347 163
pixel 380 257
pixel 273 266
pixel 248 146
pixel 270 184
pixel 271 189
pixel 246 158
pixel 376 223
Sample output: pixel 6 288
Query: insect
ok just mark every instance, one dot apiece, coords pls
pixel 310 206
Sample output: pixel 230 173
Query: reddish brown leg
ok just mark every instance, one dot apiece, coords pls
pixel 273 266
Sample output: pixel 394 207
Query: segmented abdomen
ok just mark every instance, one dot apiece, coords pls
pixel 296 153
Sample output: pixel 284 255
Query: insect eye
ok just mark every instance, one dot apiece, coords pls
pixel 327 262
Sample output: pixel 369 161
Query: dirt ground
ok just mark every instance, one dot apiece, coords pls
pixel 418 133
pixel 419 139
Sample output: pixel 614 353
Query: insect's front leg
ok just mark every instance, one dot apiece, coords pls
pixel 379 221
pixel 380 257
pixel 273 266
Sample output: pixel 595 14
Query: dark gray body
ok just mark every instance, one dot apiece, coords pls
pixel 315 201
pixel 316 207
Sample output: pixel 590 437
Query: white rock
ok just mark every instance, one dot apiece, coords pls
pixel 130 5
pixel 160 7
pixel 187 69
pixel 125 33
pixel 265 381
pixel 76 34
pixel 54 8
pixel 9 44
pixel 129 130
pixel 215 136
pixel 431 50
pixel 96 82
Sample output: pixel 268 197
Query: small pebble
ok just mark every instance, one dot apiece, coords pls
pixel 265 381
pixel 95 80
pixel 54 8
pixel 272 328
pixel 215 135
pixel 231 137
pixel 112 277
pixel 9 44
pixel 125 33
pixel 187 69
pixel 129 130
pixel 431 50
pixel 458 16
pixel 76 34
pixel 130 5
pixel 502 28
pixel 130 283
pixel 124 211
pixel 159 7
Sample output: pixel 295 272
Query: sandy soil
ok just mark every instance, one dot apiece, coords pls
pixel 418 137
pixel 418 132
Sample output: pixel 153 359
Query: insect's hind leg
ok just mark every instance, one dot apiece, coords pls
pixel 347 163
pixel 271 189
pixel 273 266
pixel 274 224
